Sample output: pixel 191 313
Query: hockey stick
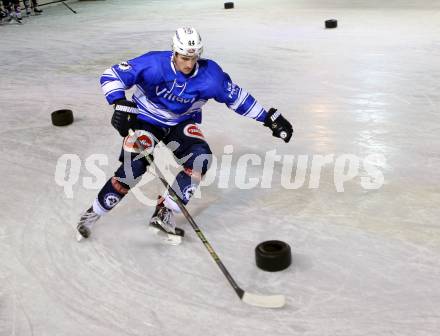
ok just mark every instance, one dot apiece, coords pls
pixel 266 301
pixel 73 11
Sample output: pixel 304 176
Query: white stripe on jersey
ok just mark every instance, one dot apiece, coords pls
pixel 113 91
pixel 151 110
pixel 254 111
pixel 197 105
pixel 250 108
pixel 259 114
pixel 119 78
pixel 142 92
pixel 160 121
pixel 148 106
pixel 112 86
pixel 109 73
pixel 240 99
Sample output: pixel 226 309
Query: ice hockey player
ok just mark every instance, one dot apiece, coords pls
pixel 13 10
pixel 27 5
pixel 171 88
pixel 3 13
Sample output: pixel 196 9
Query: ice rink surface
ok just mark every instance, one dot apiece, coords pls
pixel 365 261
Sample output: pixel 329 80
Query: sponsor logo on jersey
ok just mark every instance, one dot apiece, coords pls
pixel 124 66
pixel 167 94
pixel 111 199
pixel 193 131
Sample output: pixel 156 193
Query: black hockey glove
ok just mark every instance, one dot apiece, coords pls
pixel 124 116
pixel 279 125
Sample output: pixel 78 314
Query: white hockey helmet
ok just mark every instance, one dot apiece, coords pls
pixel 187 42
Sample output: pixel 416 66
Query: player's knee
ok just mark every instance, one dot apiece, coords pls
pixel 129 174
pixel 199 162
pixel 120 187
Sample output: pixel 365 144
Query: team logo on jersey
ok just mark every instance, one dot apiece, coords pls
pixel 111 199
pixel 193 131
pixel 144 138
pixel 124 66
pixel 233 89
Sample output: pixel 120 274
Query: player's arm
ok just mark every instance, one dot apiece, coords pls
pixel 117 79
pixel 243 103
pixel 114 82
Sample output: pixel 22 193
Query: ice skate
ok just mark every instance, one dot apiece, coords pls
pixel 27 7
pixel 37 11
pixel 10 16
pixel 16 15
pixel 163 224
pixel 3 14
pixel 85 224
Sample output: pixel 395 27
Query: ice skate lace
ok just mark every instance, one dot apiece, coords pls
pixel 88 219
pixel 165 216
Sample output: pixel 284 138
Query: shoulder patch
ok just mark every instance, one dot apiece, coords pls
pixel 124 66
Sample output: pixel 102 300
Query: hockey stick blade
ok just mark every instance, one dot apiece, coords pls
pixel 265 301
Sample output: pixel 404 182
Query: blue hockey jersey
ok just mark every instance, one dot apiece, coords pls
pixel 166 97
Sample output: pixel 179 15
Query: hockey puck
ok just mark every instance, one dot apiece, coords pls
pixel 332 23
pixel 229 5
pixel 62 117
pixel 273 255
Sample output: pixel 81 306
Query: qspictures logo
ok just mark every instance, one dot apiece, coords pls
pixel 244 171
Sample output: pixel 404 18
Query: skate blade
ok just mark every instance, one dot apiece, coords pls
pixel 79 237
pixel 168 238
